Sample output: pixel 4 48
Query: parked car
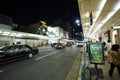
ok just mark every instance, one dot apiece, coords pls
pixel 15 51
pixel 80 43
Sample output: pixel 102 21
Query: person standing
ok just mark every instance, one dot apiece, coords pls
pixel 105 50
pixel 114 60
pixel 108 45
pixel 108 48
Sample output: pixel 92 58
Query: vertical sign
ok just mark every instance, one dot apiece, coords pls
pixel 96 53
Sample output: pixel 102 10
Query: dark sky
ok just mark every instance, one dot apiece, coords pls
pixel 30 11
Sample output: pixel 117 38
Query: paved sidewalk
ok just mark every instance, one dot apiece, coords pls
pixel 101 69
pixel 106 76
pixel 104 70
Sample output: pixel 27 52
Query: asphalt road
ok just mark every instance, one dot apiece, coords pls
pixel 49 64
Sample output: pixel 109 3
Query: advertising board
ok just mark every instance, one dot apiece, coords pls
pixel 96 53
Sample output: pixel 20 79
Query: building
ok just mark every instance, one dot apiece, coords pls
pixel 36 28
pixel 5 20
pixel 57 34
pixel 101 21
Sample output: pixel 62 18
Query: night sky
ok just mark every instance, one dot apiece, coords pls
pixel 31 11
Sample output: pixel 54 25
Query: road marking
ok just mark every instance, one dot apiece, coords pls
pixel 46 55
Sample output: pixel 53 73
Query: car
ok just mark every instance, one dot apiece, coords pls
pixel 53 45
pixel 69 44
pixel 9 52
pixel 60 45
pixel 79 43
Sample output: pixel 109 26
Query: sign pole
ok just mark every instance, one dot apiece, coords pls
pixel 96 72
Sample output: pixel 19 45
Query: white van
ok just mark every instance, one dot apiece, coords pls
pixel 80 43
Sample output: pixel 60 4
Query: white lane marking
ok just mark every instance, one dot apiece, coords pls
pixel 46 55
pixel 1 71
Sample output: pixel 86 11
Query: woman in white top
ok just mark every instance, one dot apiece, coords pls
pixel 108 47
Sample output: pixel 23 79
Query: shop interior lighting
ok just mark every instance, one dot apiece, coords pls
pixel 87 15
pixel 86 24
pixel 115 32
pixel 19 35
pixel 0 32
pixel 6 33
pixel 101 5
pixel 13 34
pixel 116 8
pixel 31 35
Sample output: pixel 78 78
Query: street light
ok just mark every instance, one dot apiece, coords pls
pixel 77 22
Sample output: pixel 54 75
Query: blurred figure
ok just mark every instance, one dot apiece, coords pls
pixel 108 48
pixel 114 59
pixel 6 44
pixel 105 50
pixel 13 44
pixel 109 45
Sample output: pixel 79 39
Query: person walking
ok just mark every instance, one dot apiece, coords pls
pixel 105 50
pixel 114 60
pixel 108 45
pixel 108 48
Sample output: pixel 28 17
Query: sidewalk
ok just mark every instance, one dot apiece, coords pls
pixel 105 69
pixel 102 70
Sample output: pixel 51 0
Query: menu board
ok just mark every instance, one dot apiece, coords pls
pixel 96 53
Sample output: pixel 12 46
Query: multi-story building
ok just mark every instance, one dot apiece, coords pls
pixel 57 34
pixel 5 22
pixel 5 28
pixel 36 28
pixel 67 27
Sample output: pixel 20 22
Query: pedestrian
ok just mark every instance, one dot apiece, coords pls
pixel 5 44
pixel 114 59
pixel 13 43
pixel 108 45
pixel 105 50
pixel 108 48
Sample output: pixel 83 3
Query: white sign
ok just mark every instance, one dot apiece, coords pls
pixel 115 27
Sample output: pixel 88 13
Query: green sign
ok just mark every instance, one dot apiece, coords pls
pixel 96 53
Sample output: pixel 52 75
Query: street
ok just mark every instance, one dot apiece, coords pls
pixel 49 64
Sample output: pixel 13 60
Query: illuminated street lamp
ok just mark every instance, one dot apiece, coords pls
pixel 77 22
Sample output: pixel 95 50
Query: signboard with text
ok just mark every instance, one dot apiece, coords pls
pixel 96 53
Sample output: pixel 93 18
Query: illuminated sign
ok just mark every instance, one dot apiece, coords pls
pixel 53 31
pixel 96 53
pixel 115 27
pixel 43 24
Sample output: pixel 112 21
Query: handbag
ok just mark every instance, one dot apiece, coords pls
pixel 110 58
